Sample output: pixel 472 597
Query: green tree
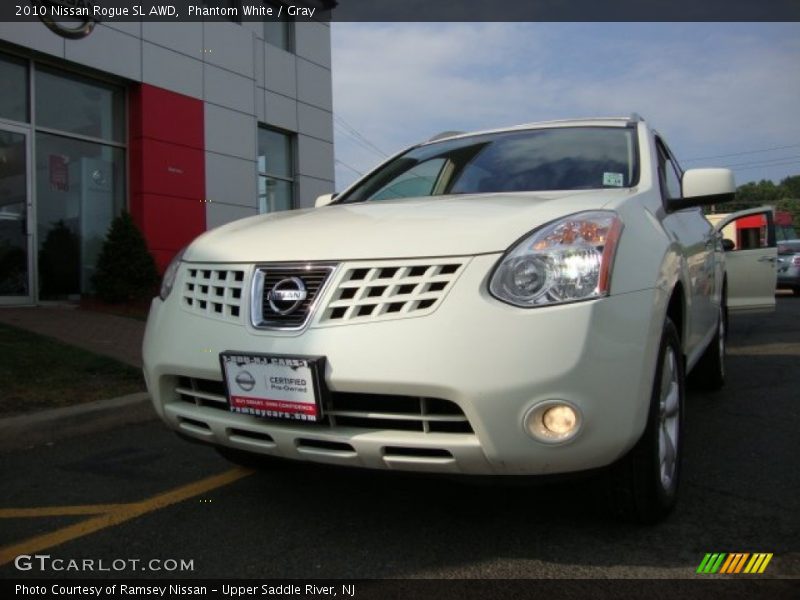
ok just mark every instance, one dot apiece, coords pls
pixel 125 268
pixel 753 194
pixel 790 187
pixel 784 196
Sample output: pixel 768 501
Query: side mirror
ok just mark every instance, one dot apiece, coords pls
pixel 728 245
pixel 703 187
pixel 324 200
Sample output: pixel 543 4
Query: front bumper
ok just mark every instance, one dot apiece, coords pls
pixel 492 360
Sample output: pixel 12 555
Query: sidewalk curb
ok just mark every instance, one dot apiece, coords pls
pixel 25 431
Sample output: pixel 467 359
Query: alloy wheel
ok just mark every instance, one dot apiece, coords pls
pixel 668 420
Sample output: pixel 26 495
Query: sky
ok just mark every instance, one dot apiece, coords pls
pixel 710 89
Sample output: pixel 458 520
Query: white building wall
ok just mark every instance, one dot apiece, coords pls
pixel 243 81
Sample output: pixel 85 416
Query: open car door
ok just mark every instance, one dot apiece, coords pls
pixel 750 258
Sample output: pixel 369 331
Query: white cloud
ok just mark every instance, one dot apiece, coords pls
pixel 711 89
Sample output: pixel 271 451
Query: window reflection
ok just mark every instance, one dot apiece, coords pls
pixel 79 106
pixel 14 94
pixel 275 171
pixel 80 188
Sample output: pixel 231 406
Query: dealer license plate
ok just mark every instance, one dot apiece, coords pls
pixel 275 386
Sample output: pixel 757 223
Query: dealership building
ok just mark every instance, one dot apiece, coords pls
pixel 185 125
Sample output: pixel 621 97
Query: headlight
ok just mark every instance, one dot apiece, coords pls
pixel 169 275
pixel 563 261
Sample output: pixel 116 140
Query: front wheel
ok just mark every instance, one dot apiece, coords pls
pixel 643 485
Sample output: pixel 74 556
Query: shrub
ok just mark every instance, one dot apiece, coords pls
pixel 125 269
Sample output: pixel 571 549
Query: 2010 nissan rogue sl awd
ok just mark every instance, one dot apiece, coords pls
pixel 522 301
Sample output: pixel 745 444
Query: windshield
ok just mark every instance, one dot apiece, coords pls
pixel 563 158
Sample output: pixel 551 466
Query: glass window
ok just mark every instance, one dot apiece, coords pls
pixel 14 94
pixel 785 232
pixel 81 106
pixel 669 173
pixel 278 33
pixel 418 181
pixel 567 158
pixel 274 153
pixel 274 194
pixel 13 214
pixel 275 171
pixel 752 232
pixel 80 189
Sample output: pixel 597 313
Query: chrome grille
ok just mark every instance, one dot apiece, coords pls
pixel 344 409
pixel 313 277
pixel 213 291
pixel 376 291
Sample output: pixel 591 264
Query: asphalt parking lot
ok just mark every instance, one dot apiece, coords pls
pixel 140 493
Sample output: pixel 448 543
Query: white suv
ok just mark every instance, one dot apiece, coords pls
pixel 523 301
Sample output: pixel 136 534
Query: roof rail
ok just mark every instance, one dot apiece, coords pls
pixel 635 117
pixel 445 134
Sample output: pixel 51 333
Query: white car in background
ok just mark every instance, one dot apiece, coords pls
pixel 523 301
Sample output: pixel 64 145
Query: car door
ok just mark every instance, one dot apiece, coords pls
pixel 750 258
pixel 697 239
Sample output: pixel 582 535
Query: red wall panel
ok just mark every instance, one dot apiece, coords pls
pixel 167 169
pixel 172 170
pixel 171 222
pixel 169 117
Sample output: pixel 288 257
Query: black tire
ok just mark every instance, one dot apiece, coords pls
pixel 636 488
pixel 709 372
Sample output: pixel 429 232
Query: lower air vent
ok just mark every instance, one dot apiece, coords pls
pixel 344 409
pixel 324 445
pixel 403 413
pixel 202 392
pixel 250 436
pixel 417 452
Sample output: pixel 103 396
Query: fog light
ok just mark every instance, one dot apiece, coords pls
pixel 560 419
pixel 553 421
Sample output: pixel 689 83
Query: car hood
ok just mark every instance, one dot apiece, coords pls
pixel 446 226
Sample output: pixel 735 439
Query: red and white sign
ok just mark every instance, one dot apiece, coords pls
pixel 59 172
pixel 271 386
pixel 264 404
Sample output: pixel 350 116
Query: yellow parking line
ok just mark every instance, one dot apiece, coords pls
pixel 119 514
pixel 57 511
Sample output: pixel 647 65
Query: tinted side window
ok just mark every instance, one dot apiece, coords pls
pixel 417 181
pixel 668 174
pixel 749 232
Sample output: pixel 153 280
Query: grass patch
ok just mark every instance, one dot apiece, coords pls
pixel 38 372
